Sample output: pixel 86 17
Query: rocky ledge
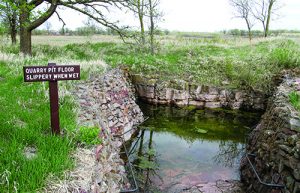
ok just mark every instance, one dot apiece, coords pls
pixel 182 93
pixel 274 145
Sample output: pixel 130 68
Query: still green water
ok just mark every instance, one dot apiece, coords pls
pixel 187 147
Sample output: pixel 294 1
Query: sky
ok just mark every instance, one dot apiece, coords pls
pixel 192 16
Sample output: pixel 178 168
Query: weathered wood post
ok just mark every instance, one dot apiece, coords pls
pixel 52 73
pixel 54 104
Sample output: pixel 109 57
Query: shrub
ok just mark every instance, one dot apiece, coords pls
pixel 89 135
pixel 286 54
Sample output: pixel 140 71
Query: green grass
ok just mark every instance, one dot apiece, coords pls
pixel 241 66
pixel 88 136
pixel 24 122
pixel 295 100
pixel 198 61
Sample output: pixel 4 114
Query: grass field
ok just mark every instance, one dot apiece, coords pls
pixel 212 61
pixel 24 123
pixel 24 107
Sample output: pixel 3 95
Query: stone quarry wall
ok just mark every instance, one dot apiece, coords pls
pixel 118 103
pixel 113 99
pixel 275 142
pixel 182 93
pixel 105 101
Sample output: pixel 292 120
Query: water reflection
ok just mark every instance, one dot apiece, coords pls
pixel 177 149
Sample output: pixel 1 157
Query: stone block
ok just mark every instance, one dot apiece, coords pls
pixel 296 173
pixel 213 105
pixel 161 102
pixel 239 96
pixel 181 103
pixel 169 94
pixel 161 94
pixel 211 97
pixel 224 93
pixel 213 91
pixel 295 124
pixel 296 187
pixel 236 105
pixel 200 97
pixel 195 90
pixel 198 104
pixel 145 91
pixel 180 95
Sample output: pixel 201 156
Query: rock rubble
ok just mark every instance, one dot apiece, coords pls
pixel 275 142
pixel 107 102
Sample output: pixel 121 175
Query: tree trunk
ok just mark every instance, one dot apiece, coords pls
pixel 141 18
pixel 264 26
pixel 249 30
pixel 268 18
pixel 151 26
pixel 13 28
pixel 25 33
pixel 25 41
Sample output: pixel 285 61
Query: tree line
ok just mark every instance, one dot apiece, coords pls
pixel 23 16
pixel 256 11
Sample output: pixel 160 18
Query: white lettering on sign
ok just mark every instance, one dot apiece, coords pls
pixel 39 77
pixel 51 73
pixel 66 76
pixel 36 70
pixel 65 69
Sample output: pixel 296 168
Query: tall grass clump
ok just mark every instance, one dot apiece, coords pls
pixel 285 54
pixel 295 100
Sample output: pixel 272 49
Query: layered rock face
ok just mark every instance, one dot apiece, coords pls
pixel 182 93
pixel 275 144
pixel 113 99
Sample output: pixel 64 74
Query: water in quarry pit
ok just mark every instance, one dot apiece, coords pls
pixel 177 149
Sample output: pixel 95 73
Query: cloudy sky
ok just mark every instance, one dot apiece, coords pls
pixel 194 15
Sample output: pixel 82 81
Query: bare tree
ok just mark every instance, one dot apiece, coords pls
pixel 243 10
pixel 263 11
pixel 149 9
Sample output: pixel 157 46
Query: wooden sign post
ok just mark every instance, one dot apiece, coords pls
pixel 52 73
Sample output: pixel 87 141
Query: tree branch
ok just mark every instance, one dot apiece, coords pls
pixel 60 19
pixel 101 19
pixel 45 16
pixel 35 2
